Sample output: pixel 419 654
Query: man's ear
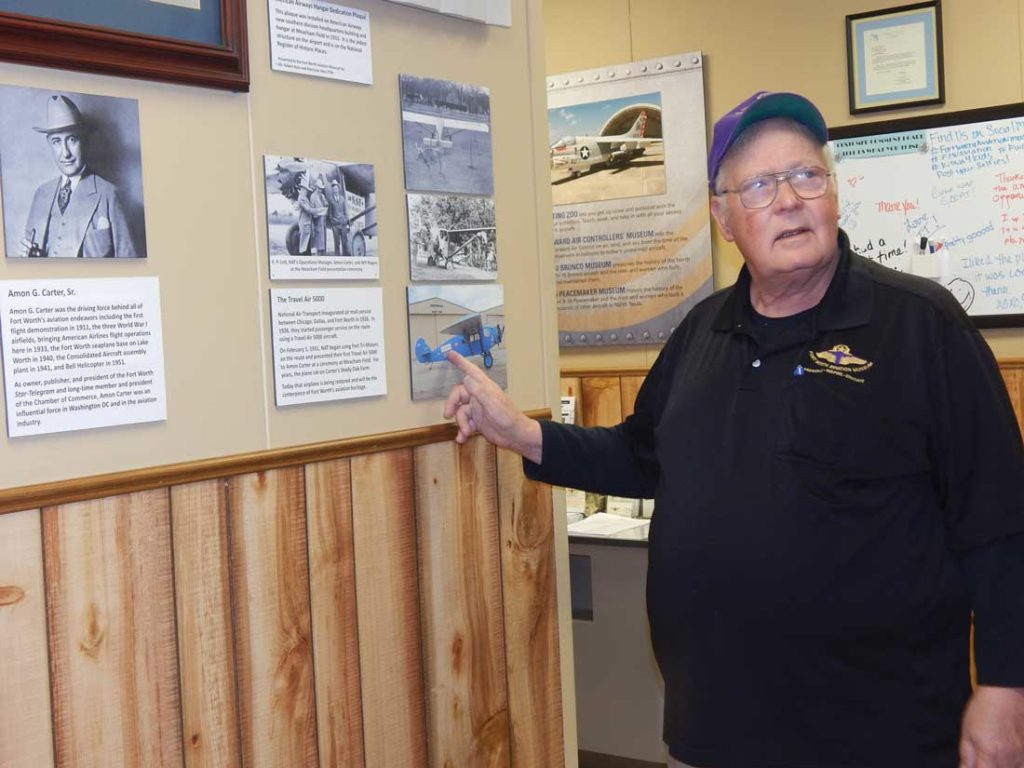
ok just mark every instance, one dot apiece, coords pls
pixel 720 211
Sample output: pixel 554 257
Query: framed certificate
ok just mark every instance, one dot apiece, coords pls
pixel 195 42
pixel 894 58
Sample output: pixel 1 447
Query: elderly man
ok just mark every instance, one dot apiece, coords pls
pixel 79 213
pixel 836 467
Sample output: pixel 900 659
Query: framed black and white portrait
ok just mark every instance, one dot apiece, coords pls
pixel 71 167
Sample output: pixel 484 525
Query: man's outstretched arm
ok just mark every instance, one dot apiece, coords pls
pixel 600 459
pixel 480 405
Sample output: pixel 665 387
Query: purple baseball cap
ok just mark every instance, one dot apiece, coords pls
pixel 763 105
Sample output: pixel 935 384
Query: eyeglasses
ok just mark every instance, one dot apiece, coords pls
pixel 760 191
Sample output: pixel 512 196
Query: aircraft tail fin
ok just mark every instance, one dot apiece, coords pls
pixel 422 351
pixel 637 131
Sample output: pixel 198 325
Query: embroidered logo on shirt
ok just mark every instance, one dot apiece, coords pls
pixel 839 361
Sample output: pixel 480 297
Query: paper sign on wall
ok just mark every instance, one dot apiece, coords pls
pixel 313 37
pixel 328 344
pixel 80 354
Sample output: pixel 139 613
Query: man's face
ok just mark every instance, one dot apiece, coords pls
pixel 792 237
pixel 67 152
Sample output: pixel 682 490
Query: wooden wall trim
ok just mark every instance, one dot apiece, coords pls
pixel 147 478
pixel 577 373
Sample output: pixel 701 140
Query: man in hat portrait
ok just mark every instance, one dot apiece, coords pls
pixel 78 214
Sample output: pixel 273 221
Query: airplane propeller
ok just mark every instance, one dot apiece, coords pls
pixel 501 332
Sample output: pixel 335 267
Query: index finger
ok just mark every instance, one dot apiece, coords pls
pixel 464 365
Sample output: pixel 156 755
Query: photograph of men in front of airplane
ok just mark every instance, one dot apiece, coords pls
pixel 321 219
pixel 72 175
pixel 446 136
pixel 602 150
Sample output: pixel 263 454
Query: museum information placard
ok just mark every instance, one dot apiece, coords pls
pixel 80 354
pixel 631 225
pixel 312 37
pixel 328 344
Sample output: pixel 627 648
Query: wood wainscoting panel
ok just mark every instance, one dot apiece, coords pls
pixel 1013 375
pixel 113 649
pixel 460 594
pixel 630 386
pixel 209 705
pixel 332 591
pixel 369 604
pixel 26 734
pixel 387 596
pixel 270 584
pixel 531 616
pixel 602 400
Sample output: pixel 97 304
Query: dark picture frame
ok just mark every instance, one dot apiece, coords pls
pixel 882 77
pixel 66 44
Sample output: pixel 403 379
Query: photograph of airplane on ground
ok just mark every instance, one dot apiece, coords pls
pixel 451 237
pixel 467 318
pixel 446 136
pixel 608 149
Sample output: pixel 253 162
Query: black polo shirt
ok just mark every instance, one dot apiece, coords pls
pixel 820 483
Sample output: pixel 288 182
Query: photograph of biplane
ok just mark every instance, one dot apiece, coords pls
pixel 446 136
pixel 603 150
pixel 452 237
pixel 320 208
pixel 469 319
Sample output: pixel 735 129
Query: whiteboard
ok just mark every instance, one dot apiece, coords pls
pixel 941 196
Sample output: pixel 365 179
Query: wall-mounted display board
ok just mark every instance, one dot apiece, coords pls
pixel 941 196
pixel 632 233
pixel 177 41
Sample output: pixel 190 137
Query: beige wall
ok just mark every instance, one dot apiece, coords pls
pixel 206 234
pixel 206 231
pixel 792 45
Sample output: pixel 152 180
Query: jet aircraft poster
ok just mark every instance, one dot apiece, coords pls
pixel 622 135
pixel 467 318
pixel 631 223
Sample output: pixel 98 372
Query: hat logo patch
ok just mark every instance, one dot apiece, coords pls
pixel 838 361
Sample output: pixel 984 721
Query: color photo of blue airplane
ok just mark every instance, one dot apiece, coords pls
pixel 471 337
